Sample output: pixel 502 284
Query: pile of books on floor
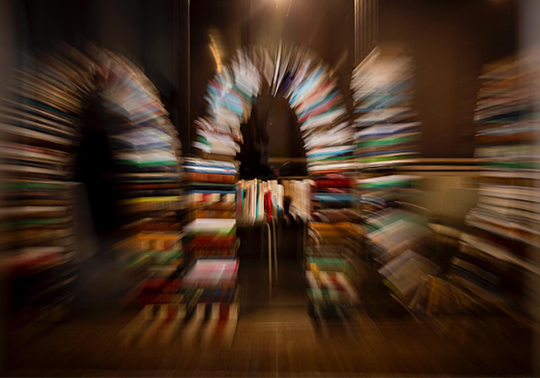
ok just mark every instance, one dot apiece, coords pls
pixel 395 232
pixel 387 132
pixel 392 232
pixel 496 258
pixel 390 206
pixel 40 126
pixel 407 276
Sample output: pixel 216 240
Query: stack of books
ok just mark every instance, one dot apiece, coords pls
pixel 335 235
pixel 212 237
pixel 211 233
pixel 156 255
pixel 210 287
pixel 40 127
pixel 230 96
pixel 147 152
pixel 392 224
pixel 392 232
pixel 332 268
pixel 407 277
pixel 387 144
pixel 387 132
pixel 212 189
pixel 313 95
pixel 496 259
pixel 387 136
pixel 383 191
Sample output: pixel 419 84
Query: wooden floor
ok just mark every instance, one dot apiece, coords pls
pixel 275 337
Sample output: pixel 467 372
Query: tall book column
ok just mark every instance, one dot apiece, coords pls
pixel 148 156
pixel 334 248
pixel 495 261
pixel 209 286
pixel 387 135
pixel 40 128
pixel 333 234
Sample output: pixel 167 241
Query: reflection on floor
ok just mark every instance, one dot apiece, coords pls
pixel 275 337
pixel 163 324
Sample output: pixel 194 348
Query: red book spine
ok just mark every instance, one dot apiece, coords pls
pixel 269 206
pixel 336 183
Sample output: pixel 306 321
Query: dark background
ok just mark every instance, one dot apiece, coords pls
pixel 170 39
pixel 451 40
pixel 326 27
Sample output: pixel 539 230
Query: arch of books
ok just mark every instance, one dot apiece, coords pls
pixel 41 131
pixel 311 89
pixel 294 73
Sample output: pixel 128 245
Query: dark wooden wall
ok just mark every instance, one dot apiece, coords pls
pixel 451 40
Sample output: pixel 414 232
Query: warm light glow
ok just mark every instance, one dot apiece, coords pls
pixel 215 52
